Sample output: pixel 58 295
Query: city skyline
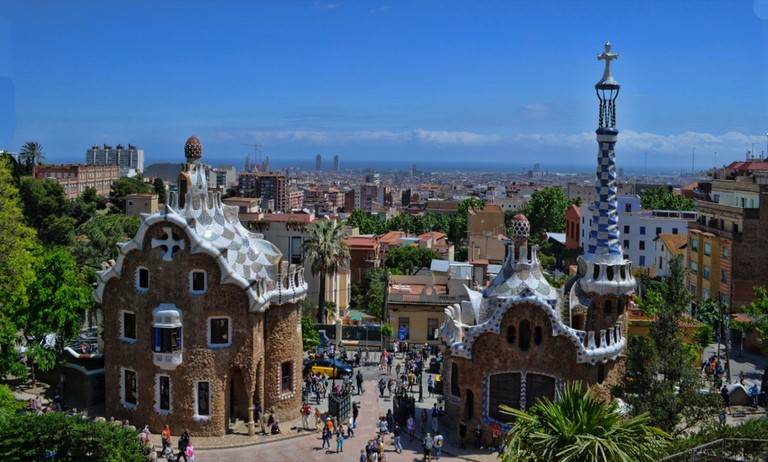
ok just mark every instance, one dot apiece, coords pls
pixel 423 82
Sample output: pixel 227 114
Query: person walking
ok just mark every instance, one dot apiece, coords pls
pixel 478 436
pixel 165 436
pixel 397 432
pixel 355 412
pixel 427 444
pixel 435 418
pixel 359 379
pixel 726 398
pixel 339 440
pixel 326 436
pixel 183 443
pixel 462 433
pixel 438 444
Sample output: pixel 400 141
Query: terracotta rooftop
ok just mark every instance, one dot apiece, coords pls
pixel 675 242
pixel 392 237
pixel 743 166
pixel 432 235
pixel 361 242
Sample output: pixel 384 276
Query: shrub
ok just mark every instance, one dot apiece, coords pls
pixel 32 437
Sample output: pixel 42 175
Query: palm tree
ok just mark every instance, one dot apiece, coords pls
pixel 580 428
pixel 31 153
pixel 325 251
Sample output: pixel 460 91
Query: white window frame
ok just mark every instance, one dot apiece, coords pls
pixel 157 395
pixel 123 338
pixel 229 332
pixel 167 316
pixel 197 416
pixel 205 282
pixel 137 279
pixel 292 392
pixel 123 391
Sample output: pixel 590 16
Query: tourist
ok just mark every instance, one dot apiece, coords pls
pixel 183 443
pixel 438 444
pixel 340 440
pixel 270 422
pixel 397 432
pixel 430 386
pixel 363 456
pixel 355 412
pixel 382 385
pixel 359 378
pixel 462 433
pixel 190 452
pixel 753 393
pixel 427 444
pixel 495 432
pixel 423 421
pixel 351 428
pixel 726 398
pixel 478 436
pixel 326 437
pixel 305 411
pixel 145 434
pixel 165 437
pixel 411 427
pixel 435 418
pixel 276 427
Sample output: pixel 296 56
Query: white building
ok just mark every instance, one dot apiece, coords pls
pixel 638 228
pixel 130 160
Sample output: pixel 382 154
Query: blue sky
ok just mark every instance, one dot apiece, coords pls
pixel 507 82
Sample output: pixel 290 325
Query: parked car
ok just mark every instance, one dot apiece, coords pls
pixel 329 367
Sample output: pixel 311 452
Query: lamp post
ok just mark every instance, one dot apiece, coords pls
pixel 332 351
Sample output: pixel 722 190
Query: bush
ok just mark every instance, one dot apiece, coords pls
pixel 32 437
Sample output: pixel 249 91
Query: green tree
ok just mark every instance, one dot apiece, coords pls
pixel 125 186
pixel 97 238
pixel 757 311
pixel 158 187
pixel 31 437
pixel 31 153
pixel 409 260
pixel 18 247
pixel 367 225
pixel 579 428
pixel 661 379
pixel 546 211
pixel 326 252
pixel 58 297
pixel 664 199
pixel 47 210
pixel 8 403
pixel 309 336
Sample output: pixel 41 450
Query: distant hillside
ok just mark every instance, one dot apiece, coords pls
pixel 168 171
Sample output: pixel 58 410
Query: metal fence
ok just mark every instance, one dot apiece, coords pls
pixel 725 450
pixel 366 333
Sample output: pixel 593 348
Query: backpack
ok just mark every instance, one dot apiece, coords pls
pixel 428 443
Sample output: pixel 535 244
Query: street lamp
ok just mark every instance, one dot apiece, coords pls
pixel 332 352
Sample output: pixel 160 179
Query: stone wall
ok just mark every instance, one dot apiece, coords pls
pixel 283 345
pixel 169 283
pixel 492 354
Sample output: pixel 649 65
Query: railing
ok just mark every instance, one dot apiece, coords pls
pixel 420 298
pixel 726 449
pixel 710 229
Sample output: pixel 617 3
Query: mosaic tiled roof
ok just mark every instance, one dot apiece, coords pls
pixel 245 258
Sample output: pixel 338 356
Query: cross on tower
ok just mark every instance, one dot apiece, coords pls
pixel 169 243
pixel 607 56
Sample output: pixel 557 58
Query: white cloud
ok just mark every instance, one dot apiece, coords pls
pixel 378 10
pixel 728 144
pixel 331 6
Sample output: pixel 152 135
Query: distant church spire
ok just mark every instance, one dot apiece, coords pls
pixel 604 243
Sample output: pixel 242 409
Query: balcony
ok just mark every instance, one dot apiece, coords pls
pixel 713 230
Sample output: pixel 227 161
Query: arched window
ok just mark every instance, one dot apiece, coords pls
pixel 620 307
pixel 525 335
pixel 511 331
pixel 469 404
pixel 537 335
pixel 455 380
pixel 608 307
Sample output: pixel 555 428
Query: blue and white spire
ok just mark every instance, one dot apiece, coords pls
pixel 604 243
pixel 603 268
